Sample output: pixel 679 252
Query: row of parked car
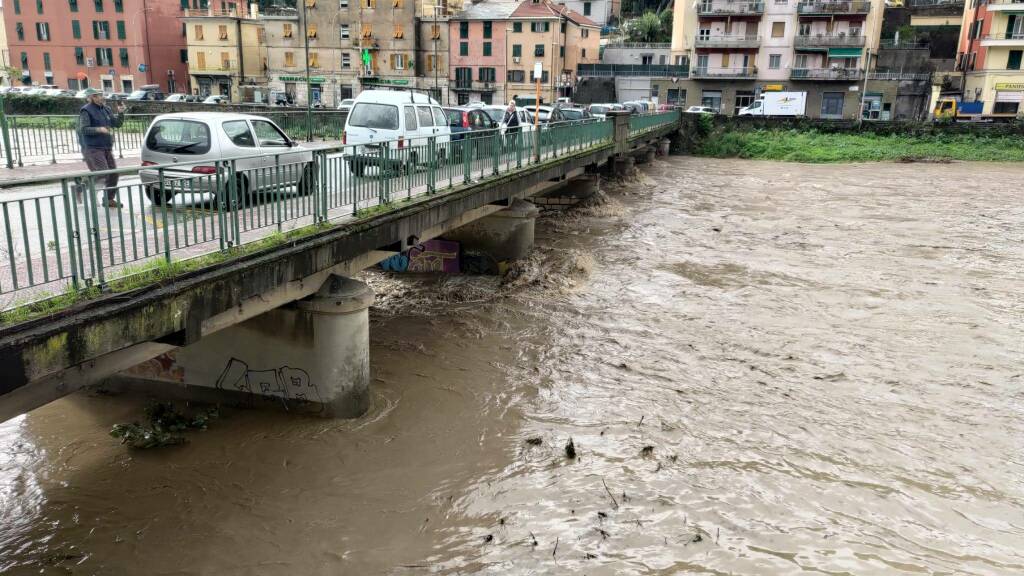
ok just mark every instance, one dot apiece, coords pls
pixel 146 93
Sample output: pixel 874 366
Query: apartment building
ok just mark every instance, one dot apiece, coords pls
pixel 738 49
pixel 114 45
pixel 600 12
pixel 557 38
pixel 225 50
pixel 990 54
pixel 479 58
pixel 5 53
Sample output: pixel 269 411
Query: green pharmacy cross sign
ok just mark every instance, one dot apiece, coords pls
pixel 366 58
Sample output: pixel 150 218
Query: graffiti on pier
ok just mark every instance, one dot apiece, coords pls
pixel 285 383
pixel 430 256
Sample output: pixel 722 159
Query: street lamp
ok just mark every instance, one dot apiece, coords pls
pixel 309 87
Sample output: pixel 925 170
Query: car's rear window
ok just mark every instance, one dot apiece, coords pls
pixel 495 114
pixel 178 136
pixel 370 115
pixel 598 109
pixel 572 114
pixel 454 117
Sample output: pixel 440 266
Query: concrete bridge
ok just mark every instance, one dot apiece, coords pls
pixel 284 323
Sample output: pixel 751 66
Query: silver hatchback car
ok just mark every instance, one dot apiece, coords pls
pixel 265 157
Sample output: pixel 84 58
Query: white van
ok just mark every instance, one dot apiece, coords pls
pixel 403 119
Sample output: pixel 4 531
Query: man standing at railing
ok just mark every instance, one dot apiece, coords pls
pixel 95 133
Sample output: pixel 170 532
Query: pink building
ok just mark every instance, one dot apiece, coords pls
pixel 477 55
pixel 114 45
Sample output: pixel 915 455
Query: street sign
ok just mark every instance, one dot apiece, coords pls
pixel 538 71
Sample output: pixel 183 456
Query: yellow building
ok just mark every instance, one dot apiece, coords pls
pixel 226 50
pixel 990 56
pixel 557 38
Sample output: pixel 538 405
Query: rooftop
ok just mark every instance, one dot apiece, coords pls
pixel 499 10
pixel 545 9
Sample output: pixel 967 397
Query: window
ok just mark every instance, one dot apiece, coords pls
pixel 584 33
pixel 118 5
pixel 225 60
pixel 121 35
pixel 269 135
pixel 76 30
pixel 367 31
pixel 46 61
pixel 372 115
pixel 586 8
pixel 712 99
pixel 676 96
pixel 744 98
pixel 435 31
pixel 201 60
pixel 311 31
pixel 396 3
pixel 544 77
pixel 424 116
pixel 805 29
pixel 801 61
pixel 342 3
pixel 463 98
pixel 369 4
pixel 486 75
pixel 198 31
pixel 286 30
pixel 179 136
pixel 487 48
pixel 561 52
pixel 73 5
pixel 184 30
pixel 19 28
pixel 346 60
pixel 314 60
pixel 98 5
pixel 398 31
pixel 289 59
pixel 24 60
pixel 101 30
pixel 832 105
pixel 583 53
pixel 517 27
pixel 430 62
pixel 516 76
pixel 517 50
pixel 487 29
pixel 398 61
pixel 540 26
pixel 704 34
pixel 79 56
pixel 463 48
pixel 778 29
pixel 538 50
pixel 343 31
pixel 463 29
pixel 410 117
pixel 184 56
pixel 774 61
pixel 463 77
pixel 1013 59
pixel 39 6
pixel 122 54
pixel 104 56
pixel 238 132
pixel 1005 107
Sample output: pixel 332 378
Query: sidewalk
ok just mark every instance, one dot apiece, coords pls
pixel 50 170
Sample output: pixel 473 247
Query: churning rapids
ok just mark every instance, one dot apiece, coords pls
pixel 765 368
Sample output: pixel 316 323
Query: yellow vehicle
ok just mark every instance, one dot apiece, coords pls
pixel 954 109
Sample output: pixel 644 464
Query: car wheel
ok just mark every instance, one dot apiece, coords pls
pixel 307 182
pixel 157 196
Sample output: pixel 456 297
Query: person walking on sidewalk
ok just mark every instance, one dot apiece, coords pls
pixel 96 122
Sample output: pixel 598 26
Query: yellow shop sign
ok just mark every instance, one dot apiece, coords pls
pixel 773 87
pixel 1009 85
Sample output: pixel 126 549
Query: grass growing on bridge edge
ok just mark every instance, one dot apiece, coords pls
pixel 817 147
pixel 149 273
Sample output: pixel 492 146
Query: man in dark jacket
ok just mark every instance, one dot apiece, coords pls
pixel 95 131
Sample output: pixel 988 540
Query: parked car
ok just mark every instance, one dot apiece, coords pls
pixel 117 95
pixel 701 110
pixel 198 140
pixel 41 90
pixel 177 98
pixel 542 112
pixel 346 105
pixel 149 92
pixel 497 113
pixel 464 121
pixel 394 119
pixel 217 99
pixel 573 114
pixel 600 110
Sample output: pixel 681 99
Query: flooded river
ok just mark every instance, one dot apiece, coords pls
pixel 764 368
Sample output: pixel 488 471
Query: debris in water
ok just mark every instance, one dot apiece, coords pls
pixel 533 539
pixel 555 551
pixel 534 441
pixel 488 539
pixel 615 503
pixel 570 450
pixel 647 451
pixel 604 533
pixel 601 516
pixel 589 556
pixel 165 425
pixel 697 538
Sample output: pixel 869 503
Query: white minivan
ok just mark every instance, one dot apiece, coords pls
pixel 401 118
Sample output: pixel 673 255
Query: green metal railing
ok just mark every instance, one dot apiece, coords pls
pixel 37 139
pixel 641 124
pixel 57 233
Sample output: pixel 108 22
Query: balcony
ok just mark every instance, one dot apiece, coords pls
pixel 738 73
pixel 730 8
pixel 1004 5
pixel 1012 39
pixel 829 41
pixel 832 8
pixel 461 85
pixel 225 68
pixel 214 13
pixel 727 41
pixel 826 74
pixel 633 70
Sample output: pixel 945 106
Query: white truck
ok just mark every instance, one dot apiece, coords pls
pixel 777 104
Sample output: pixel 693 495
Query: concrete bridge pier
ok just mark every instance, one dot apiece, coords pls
pixel 646 155
pixel 504 236
pixel 311 356
pixel 573 192
pixel 664 147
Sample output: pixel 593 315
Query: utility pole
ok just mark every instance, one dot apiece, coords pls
pixel 436 32
pixel 864 91
pixel 309 87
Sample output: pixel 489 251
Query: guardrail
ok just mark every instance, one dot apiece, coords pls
pixel 900 76
pixel 28 139
pixel 729 41
pixel 58 235
pixel 830 40
pixel 829 7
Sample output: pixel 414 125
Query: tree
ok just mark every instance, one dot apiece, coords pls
pixel 650 27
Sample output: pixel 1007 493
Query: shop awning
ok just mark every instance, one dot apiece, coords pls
pixel 844 52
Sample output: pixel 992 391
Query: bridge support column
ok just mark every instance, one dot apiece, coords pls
pixel 575 191
pixel 312 356
pixel 645 155
pixel 504 236
pixel 664 147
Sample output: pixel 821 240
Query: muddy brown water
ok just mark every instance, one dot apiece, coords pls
pixel 765 368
